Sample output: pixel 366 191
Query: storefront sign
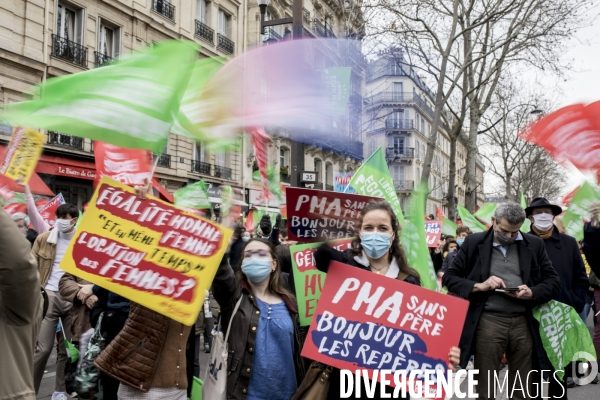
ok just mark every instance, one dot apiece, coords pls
pixel 366 321
pixel 148 251
pixel 308 279
pixel 22 155
pixel 320 215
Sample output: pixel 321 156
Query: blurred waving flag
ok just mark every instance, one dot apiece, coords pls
pixel 133 103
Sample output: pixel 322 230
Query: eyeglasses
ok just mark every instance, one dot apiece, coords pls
pixel 261 253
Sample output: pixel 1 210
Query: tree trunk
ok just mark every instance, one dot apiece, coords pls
pixel 471 172
pixel 452 179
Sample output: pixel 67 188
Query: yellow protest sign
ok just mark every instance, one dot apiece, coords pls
pixel 23 153
pixel 148 251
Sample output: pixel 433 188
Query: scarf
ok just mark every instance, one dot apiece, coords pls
pixel 543 235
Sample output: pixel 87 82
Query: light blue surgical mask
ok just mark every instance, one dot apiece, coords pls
pixel 245 238
pixel 460 241
pixel 257 269
pixel 375 244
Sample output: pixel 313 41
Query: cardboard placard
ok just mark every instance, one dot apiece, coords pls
pixel 48 210
pixel 366 321
pixel 148 251
pixel 23 154
pixel 321 215
pixel 433 230
pixel 308 280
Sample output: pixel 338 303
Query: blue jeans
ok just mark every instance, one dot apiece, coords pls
pixel 586 310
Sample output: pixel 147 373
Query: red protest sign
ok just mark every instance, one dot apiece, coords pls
pixel 48 210
pixel 320 215
pixel 366 321
pixel 128 166
pixel 433 230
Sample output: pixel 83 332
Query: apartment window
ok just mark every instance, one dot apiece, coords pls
pixel 69 23
pixel 284 157
pixel 397 91
pixel 223 23
pixel 372 145
pixel 109 42
pixel 318 168
pixel 220 159
pixel 199 151
pixel 201 11
pixel 329 174
pixel 418 176
pixel 399 145
pixel 398 172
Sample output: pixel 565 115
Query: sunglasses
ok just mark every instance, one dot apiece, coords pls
pixel 260 253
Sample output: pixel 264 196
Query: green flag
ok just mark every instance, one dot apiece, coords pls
pixel 470 221
pixel 564 334
pixel 337 85
pixel 226 199
pixel 579 209
pixel 373 179
pixel 72 351
pixel 193 196
pixel 189 120
pixel 448 227
pixel 486 212
pixel 526 227
pixel 131 104
pixel 273 181
pixel 414 240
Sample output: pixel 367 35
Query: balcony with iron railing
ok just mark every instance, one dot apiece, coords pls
pixel 285 178
pixel 164 160
pixel 404 186
pixel 223 172
pixel 319 28
pixel 225 44
pixel 63 140
pixel 201 167
pixel 102 59
pixel 318 186
pixel 399 124
pixel 399 153
pixel 69 51
pixel 204 32
pixel 270 35
pixel 399 98
pixel 329 187
pixel 164 8
pixel 306 16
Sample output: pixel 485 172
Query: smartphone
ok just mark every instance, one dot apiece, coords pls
pixel 514 289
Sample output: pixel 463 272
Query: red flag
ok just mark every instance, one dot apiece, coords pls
pixel 250 222
pixel 14 208
pixel 439 212
pixel 260 140
pixel 571 133
pixel 567 200
pixel 128 166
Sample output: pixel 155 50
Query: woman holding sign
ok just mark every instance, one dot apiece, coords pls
pixel 377 249
pixel 265 342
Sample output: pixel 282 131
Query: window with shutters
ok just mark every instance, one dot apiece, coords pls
pixel 223 23
pixel 69 23
pixel 201 11
pixel 109 41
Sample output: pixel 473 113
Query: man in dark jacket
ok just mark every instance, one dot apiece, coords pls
pixel 268 232
pixel 496 322
pixel 568 264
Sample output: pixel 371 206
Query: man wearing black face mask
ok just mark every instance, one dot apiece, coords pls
pixel 496 322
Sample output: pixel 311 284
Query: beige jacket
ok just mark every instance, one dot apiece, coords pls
pixel 44 252
pixel 21 312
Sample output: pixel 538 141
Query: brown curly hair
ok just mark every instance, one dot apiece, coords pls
pixel 276 283
pixel 396 249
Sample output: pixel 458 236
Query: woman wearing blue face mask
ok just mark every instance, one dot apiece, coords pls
pixel 265 341
pixel 377 249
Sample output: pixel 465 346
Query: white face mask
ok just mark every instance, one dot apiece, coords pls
pixel 63 225
pixel 543 222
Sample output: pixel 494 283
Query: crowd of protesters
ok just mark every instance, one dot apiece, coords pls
pixel 146 355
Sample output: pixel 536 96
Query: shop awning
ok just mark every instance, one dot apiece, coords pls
pixel 164 193
pixel 63 166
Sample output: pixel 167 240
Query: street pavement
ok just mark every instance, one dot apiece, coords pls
pixel 588 392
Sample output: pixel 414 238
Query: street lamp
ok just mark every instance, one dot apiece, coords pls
pixel 263 4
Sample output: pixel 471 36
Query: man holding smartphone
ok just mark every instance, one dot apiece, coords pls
pixel 496 322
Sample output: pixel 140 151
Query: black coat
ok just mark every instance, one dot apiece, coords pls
pixel 235 254
pixel 591 247
pixel 566 259
pixel 31 235
pixel 472 265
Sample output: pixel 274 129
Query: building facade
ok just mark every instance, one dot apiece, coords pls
pixel 398 113
pixel 42 39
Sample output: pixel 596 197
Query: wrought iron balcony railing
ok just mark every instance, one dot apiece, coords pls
pixel 201 167
pixel 225 44
pixel 60 139
pixel 204 32
pixel 223 172
pixel 164 160
pixel 164 8
pixel 399 153
pixel 329 187
pixel 271 35
pixel 284 178
pixel 392 123
pixel 70 51
pixel 319 28
pixel 102 59
pixel 401 186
